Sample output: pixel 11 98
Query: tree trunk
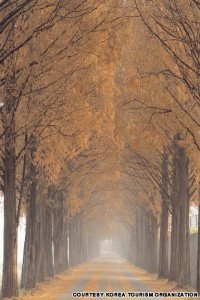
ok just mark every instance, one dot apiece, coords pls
pixel 180 252
pixel 58 240
pixel 66 246
pixel 175 223
pixel 72 245
pixel 183 246
pixel 138 237
pixel 81 254
pixel 130 250
pixel 152 244
pixel 9 280
pixel 143 240
pixel 28 277
pixel 148 238
pixel 163 249
pixel 49 239
pixel 41 242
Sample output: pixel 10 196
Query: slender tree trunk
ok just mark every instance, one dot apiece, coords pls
pixel 49 239
pixel 152 244
pixel 72 245
pixel 180 252
pixel 78 241
pixel 65 246
pixel 82 243
pixel 58 241
pixel 175 223
pixel 28 277
pixel 41 241
pixel 9 280
pixel 141 237
pixel 183 249
pixel 154 264
pixel 143 240
pixel 138 237
pixel 148 238
pixel 163 249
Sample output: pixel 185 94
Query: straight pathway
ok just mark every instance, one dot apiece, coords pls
pixel 109 274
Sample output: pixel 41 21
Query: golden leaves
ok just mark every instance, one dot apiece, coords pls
pixel 74 205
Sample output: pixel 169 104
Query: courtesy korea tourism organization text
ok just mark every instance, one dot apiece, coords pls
pixel 135 295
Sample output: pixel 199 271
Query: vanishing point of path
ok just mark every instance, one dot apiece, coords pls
pixel 106 274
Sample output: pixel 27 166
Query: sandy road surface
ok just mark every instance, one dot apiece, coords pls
pixel 106 274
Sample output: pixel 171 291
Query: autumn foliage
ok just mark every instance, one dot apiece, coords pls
pixel 99 133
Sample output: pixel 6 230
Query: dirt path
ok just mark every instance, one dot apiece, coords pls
pixel 108 274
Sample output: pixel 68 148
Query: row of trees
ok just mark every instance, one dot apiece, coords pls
pixel 161 150
pixel 51 119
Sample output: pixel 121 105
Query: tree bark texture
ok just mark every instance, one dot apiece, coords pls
pixel 28 277
pixel 163 248
pixel 9 280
